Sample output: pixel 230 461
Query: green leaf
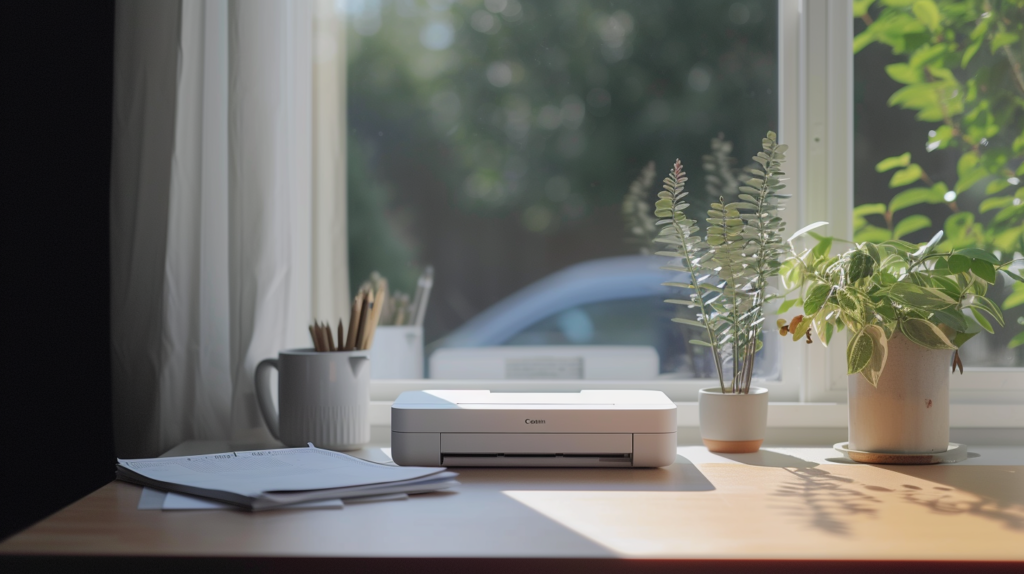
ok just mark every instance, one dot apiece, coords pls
pixel 983 321
pixel 869 209
pixel 987 305
pixel 910 224
pixel 904 74
pixel 916 196
pixel 966 163
pixel 700 343
pixel 815 297
pixel 970 52
pixel 895 161
pixel 947 285
pixel 863 39
pixel 975 253
pixel 872 250
pixel 968 171
pixel 879 353
pixel 901 246
pixel 962 338
pixel 1003 39
pixel 983 269
pixel 906 176
pixel 860 7
pixel 822 248
pixel 872 233
pixel 995 186
pixel 925 334
pixel 922 297
pixel 850 304
pixel 994 203
pixel 1016 298
pixel 681 302
pixel 959 263
pixel 928 13
pixel 952 317
pixel 787 305
pixel 807 228
pixel 861 266
pixel 858 352
pixel 690 322
pixel 1017 340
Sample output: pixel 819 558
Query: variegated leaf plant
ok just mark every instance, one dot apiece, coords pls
pixel 935 299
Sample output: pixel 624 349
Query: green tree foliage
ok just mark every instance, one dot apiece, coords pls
pixel 523 120
pixel 370 251
pixel 961 70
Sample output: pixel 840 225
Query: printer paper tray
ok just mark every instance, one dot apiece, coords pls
pixel 536 449
pixel 542 460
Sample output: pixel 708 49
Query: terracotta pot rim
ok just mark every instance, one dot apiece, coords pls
pixel 733 446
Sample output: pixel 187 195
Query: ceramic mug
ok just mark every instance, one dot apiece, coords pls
pixel 324 398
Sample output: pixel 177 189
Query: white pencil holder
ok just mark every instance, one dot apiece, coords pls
pixel 397 353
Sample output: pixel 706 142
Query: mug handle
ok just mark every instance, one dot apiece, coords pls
pixel 270 414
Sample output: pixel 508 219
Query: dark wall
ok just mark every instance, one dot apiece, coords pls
pixel 55 403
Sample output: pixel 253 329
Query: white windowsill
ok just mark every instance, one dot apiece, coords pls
pixel 814 415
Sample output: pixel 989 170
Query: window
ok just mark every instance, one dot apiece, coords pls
pixel 496 140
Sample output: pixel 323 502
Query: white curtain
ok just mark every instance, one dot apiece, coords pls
pixel 213 195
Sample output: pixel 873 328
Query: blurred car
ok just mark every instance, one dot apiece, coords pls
pixel 609 301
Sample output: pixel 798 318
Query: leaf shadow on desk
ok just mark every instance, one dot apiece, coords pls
pixel 828 501
pixel 995 493
pixel 769 458
pixel 680 476
pixel 825 499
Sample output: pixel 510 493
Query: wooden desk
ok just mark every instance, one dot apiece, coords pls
pixel 795 507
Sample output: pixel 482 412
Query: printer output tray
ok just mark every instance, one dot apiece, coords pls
pixel 605 450
pixel 536 449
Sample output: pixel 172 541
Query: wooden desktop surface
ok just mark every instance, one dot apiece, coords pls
pixel 797 504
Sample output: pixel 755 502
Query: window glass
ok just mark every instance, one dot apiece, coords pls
pixel 939 139
pixel 496 139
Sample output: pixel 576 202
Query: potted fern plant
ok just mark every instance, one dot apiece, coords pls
pixel 727 274
pixel 907 309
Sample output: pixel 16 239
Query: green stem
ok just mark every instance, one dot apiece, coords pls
pixel 761 283
pixel 700 299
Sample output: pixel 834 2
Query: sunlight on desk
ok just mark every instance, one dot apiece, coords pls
pixel 829 511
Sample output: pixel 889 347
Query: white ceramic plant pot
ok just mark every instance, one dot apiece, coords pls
pixel 733 423
pixel 909 411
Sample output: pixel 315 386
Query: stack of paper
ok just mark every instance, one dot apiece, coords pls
pixel 265 479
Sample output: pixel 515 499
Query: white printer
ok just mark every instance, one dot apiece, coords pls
pixel 479 428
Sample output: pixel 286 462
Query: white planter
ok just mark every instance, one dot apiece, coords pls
pixel 733 423
pixel 909 411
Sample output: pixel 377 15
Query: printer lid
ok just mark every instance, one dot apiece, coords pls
pixel 469 399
